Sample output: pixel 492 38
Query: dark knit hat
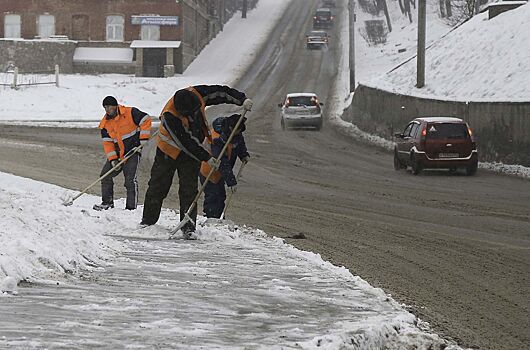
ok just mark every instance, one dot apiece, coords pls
pixel 186 102
pixel 110 101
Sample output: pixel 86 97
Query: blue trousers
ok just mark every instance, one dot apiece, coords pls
pixel 214 198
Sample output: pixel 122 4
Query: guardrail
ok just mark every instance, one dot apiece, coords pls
pixel 48 77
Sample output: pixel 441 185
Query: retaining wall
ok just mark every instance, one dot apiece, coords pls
pixel 502 129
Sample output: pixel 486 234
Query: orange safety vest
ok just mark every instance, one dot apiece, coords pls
pixel 205 167
pixel 120 128
pixel 165 141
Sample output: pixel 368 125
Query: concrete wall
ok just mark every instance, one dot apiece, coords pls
pixel 502 129
pixel 33 56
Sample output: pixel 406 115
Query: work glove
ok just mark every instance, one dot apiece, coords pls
pixel 245 159
pixel 113 163
pixel 233 189
pixel 247 104
pixel 212 162
pixel 143 143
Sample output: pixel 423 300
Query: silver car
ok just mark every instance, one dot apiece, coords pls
pixel 301 110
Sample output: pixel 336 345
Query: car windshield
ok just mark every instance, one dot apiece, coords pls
pixel 447 131
pixel 324 14
pixel 319 34
pixel 299 101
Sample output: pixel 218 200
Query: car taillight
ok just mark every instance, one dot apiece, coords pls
pixel 315 17
pixel 332 18
pixel 423 137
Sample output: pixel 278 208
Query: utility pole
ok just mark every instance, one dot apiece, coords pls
pixel 422 18
pixel 351 8
pixel 244 10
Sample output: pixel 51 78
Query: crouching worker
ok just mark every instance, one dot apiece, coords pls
pixel 214 192
pixel 122 129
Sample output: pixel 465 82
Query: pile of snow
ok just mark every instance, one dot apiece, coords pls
pixel 40 239
pixel 43 241
pixel 79 97
pixel 482 60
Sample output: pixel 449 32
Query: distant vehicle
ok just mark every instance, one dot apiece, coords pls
pixel 323 18
pixel 300 110
pixel 329 3
pixel 317 39
pixel 436 142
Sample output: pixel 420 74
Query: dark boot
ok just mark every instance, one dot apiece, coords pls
pixel 103 206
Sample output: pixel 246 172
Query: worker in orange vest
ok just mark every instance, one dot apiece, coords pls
pixel 122 129
pixel 214 191
pixel 183 128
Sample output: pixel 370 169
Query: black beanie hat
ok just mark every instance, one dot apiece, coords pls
pixel 110 101
pixel 186 102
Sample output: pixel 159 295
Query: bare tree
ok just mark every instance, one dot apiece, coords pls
pixel 404 5
pixel 463 10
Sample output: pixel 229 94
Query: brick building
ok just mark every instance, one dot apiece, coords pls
pixel 146 37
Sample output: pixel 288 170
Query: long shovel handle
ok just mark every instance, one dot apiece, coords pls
pixel 217 160
pixel 231 194
pixel 129 155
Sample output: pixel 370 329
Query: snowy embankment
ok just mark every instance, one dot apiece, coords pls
pixel 482 60
pixel 42 240
pixel 79 97
pixel 370 61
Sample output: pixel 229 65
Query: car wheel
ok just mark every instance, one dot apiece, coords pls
pixel 471 169
pixel 416 165
pixel 397 163
pixel 318 126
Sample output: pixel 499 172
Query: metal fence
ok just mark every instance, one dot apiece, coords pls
pixel 14 78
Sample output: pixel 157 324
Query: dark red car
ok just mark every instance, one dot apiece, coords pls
pixel 436 142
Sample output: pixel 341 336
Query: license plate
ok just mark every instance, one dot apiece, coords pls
pixel 448 155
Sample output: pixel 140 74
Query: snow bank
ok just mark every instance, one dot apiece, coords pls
pixel 40 239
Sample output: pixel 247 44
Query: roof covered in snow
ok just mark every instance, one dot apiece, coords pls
pixel 151 44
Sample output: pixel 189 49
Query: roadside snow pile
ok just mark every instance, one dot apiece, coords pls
pixel 40 239
pixel 483 60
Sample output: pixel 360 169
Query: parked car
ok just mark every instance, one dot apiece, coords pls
pixel 436 142
pixel 323 18
pixel 317 39
pixel 329 3
pixel 301 110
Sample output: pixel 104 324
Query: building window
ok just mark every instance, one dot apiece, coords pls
pixel 12 26
pixel 46 25
pixel 115 28
pixel 150 32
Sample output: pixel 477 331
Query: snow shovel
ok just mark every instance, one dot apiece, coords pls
pixel 221 220
pixel 127 156
pixel 187 217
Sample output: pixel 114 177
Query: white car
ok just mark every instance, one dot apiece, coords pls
pixel 317 39
pixel 301 110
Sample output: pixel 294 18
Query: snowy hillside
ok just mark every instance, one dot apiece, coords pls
pixel 483 60
pixel 401 42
